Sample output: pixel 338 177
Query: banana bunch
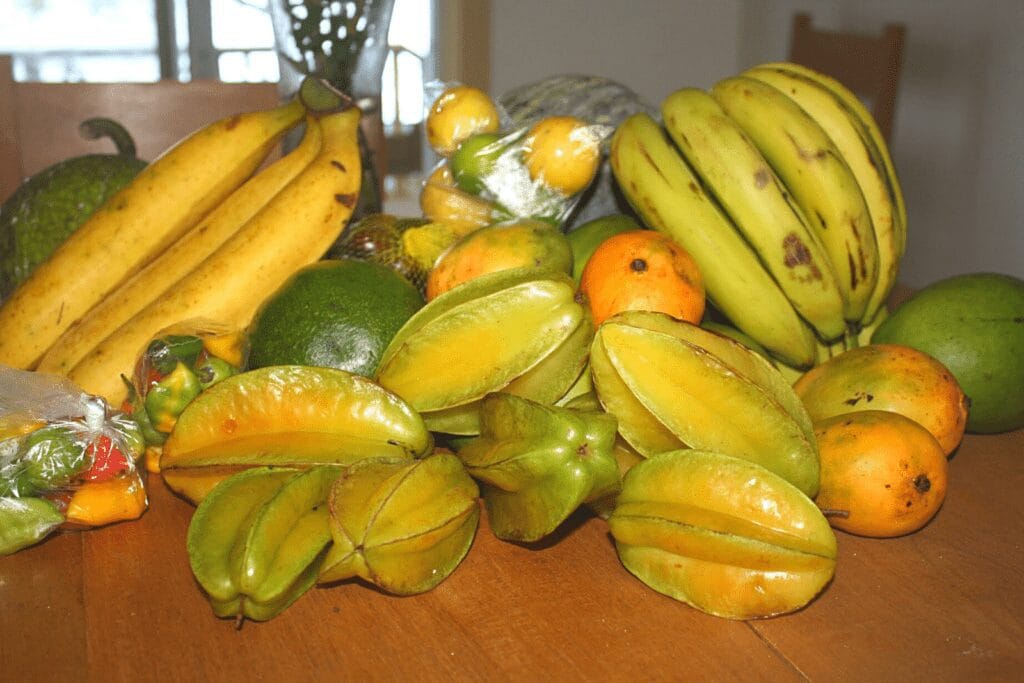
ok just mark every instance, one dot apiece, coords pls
pixel 195 236
pixel 521 331
pixel 781 186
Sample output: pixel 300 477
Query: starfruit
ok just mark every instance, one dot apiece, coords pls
pixel 402 526
pixel 539 463
pixel 722 534
pixel 287 415
pixel 256 542
pixel 675 385
pixel 519 330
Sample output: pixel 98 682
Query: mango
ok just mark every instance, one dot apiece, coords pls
pixel 974 325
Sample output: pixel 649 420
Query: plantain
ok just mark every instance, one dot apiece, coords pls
pixel 152 281
pixel 672 385
pixel 748 190
pixel 814 170
pixel 292 230
pixel 860 150
pixel 669 198
pixel 134 226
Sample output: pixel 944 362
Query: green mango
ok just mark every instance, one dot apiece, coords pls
pixel 539 463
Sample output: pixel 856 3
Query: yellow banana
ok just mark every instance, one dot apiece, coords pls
pixel 182 257
pixel 669 198
pixel 864 159
pixel 736 174
pixel 867 123
pixel 820 180
pixel 166 199
pixel 294 229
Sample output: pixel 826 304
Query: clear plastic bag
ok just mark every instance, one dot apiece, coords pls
pixel 65 457
pixel 491 172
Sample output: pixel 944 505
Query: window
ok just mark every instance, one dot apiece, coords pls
pixel 230 40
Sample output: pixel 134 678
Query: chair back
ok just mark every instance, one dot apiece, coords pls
pixel 39 121
pixel 869 65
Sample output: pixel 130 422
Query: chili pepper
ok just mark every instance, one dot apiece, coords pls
pixel 166 399
pixel 107 459
pixel 165 352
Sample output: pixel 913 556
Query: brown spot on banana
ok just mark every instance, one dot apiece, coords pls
pixel 347 200
pixel 338 165
pixel 761 178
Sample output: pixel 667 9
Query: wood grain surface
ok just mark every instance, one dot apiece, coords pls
pixel 944 604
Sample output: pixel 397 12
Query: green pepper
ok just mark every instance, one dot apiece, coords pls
pixel 26 521
pixel 49 458
pixel 212 370
pixel 165 352
pixel 166 399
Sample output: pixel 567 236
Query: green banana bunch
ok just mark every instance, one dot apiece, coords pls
pixel 539 463
pixel 255 542
pixel 520 330
pixel 817 175
pixel 667 195
pixel 858 140
pixel 403 526
pixel 674 385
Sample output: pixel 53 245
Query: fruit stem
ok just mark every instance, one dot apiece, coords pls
pixel 833 512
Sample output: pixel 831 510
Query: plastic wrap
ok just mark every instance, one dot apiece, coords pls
pixel 66 459
pixel 491 172
pixel 174 368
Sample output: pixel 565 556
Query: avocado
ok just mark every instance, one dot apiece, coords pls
pixel 50 205
pixel 974 325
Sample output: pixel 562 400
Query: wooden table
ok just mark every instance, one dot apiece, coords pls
pixel 946 603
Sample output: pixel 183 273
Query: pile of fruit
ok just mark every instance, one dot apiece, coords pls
pixel 714 371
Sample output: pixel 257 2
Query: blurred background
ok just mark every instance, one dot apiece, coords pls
pixel 957 142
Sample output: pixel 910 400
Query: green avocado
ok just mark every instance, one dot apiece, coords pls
pixel 50 205
pixel 974 325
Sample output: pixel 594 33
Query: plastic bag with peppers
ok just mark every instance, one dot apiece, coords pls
pixel 492 173
pixel 175 367
pixel 66 460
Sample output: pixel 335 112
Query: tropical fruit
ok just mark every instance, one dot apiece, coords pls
pixel 882 474
pixel 403 526
pixel 888 377
pixel 518 330
pixel 537 464
pixel 643 270
pixel 334 313
pixel 722 534
pixel 585 238
pixel 50 205
pixel 521 243
pixel 562 153
pixel 288 415
pixel 974 325
pixel 457 113
pixel 671 385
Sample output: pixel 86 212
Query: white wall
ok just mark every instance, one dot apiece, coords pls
pixel 958 142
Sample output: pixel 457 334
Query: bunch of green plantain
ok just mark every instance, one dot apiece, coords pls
pixel 781 186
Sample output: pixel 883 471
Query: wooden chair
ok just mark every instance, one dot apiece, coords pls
pixel 868 65
pixel 39 121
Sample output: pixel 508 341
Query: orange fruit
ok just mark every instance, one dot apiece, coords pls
pixel 562 152
pixel 643 270
pixel 457 113
pixel 884 473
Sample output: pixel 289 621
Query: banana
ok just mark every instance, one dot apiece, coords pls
pixel 669 198
pixel 820 180
pixel 166 199
pixel 854 141
pixel 760 207
pixel 182 257
pixel 293 229
pixel 870 128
